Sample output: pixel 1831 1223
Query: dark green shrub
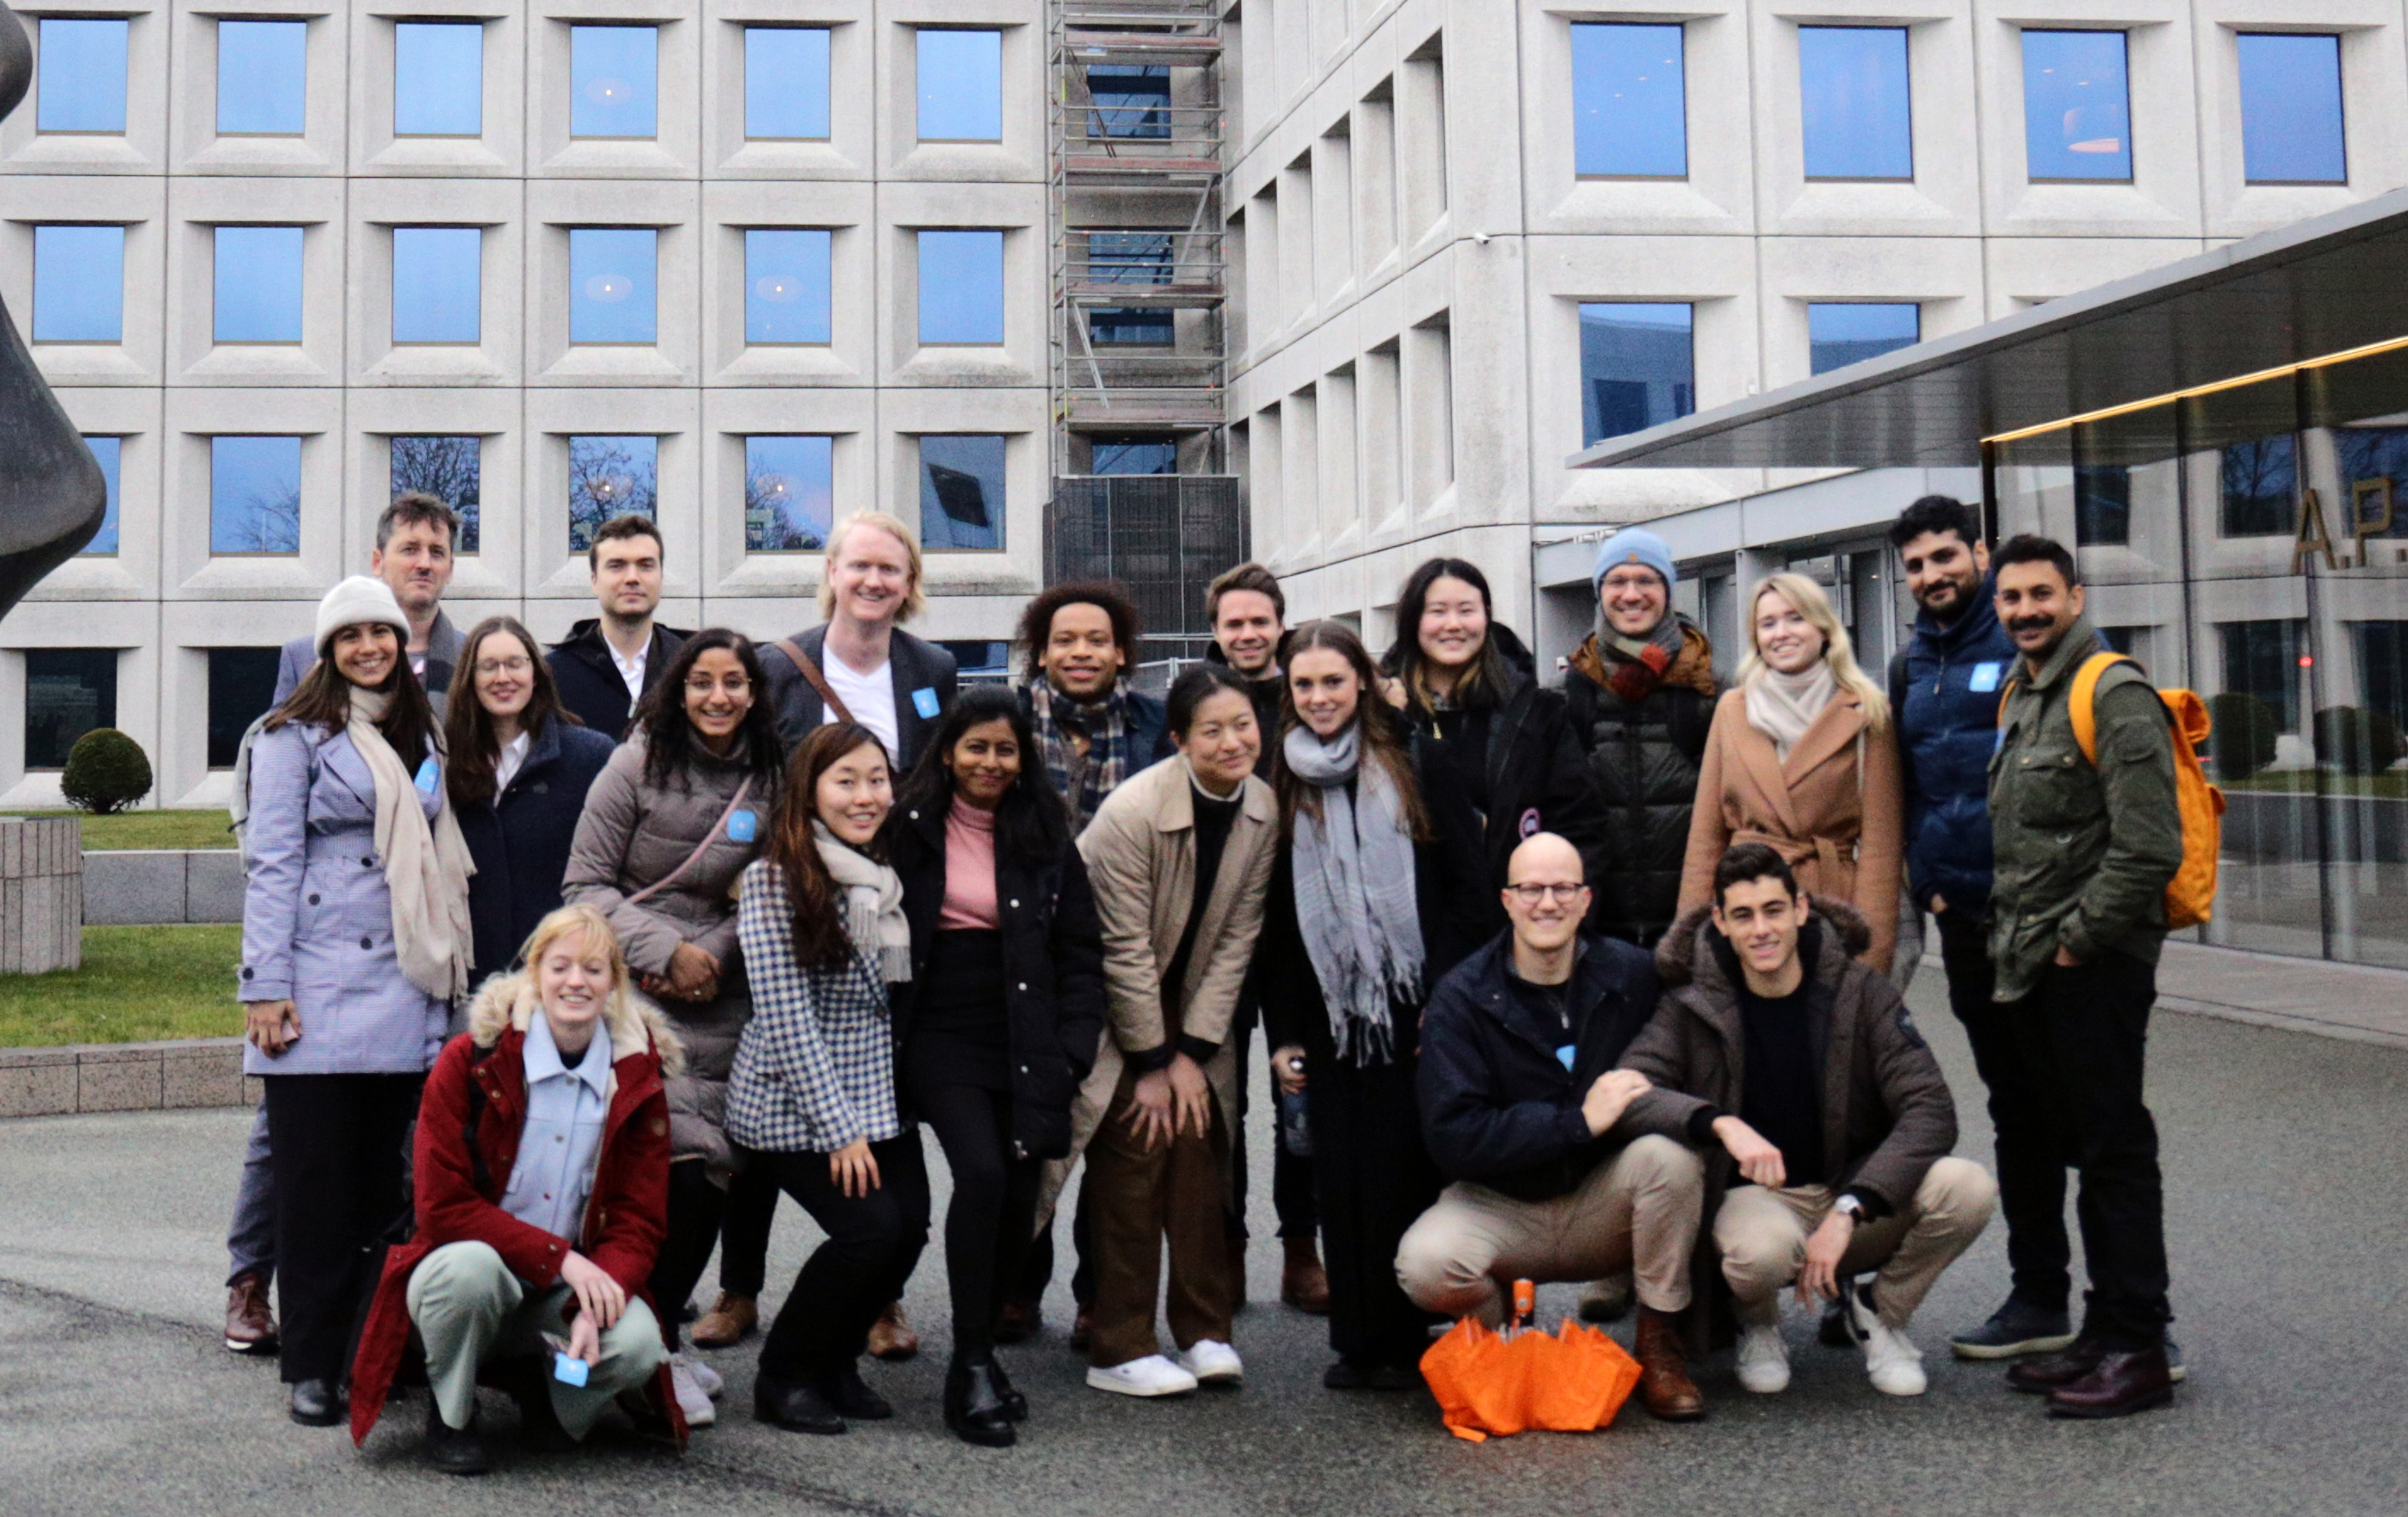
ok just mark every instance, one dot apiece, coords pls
pixel 2356 740
pixel 106 771
pixel 2243 735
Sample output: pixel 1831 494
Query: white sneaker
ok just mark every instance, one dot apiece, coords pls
pixel 1763 1359
pixel 1152 1375
pixel 703 1374
pixel 1213 1363
pixel 1891 1358
pixel 691 1398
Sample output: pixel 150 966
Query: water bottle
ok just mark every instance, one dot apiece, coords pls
pixel 1295 1132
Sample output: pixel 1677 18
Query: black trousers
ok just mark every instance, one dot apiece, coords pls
pixel 994 1204
pixel 335 1142
pixel 1372 1178
pixel 696 1209
pixel 1292 1197
pixel 744 1233
pixel 873 1242
pixel 1036 1271
pixel 2084 1033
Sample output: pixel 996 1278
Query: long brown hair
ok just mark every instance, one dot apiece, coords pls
pixel 1379 741
pixel 468 727
pixel 817 920
pixel 323 699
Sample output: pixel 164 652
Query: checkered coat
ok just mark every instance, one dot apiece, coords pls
pixel 816 1070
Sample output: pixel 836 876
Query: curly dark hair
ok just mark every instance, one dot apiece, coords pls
pixel 812 900
pixel 1937 514
pixel 1036 621
pixel 1030 826
pixel 668 737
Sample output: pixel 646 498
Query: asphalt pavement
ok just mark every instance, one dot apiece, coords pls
pixel 2284 1154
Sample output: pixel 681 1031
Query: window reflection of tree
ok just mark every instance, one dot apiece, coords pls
pixel 2257 482
pixel 608 476
pixel 446 468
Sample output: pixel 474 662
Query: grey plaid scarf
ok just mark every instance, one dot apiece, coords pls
pixel 1082 782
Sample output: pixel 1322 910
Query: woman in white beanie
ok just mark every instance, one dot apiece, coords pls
pixel 355 939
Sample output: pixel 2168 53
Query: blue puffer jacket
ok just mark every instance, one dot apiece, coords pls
pixel 1945 687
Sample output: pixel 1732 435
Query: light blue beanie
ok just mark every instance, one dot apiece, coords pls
pixel 1634 545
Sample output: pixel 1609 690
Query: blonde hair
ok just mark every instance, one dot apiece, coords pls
pixel 512 1000
pixel 915 600
pixel 1811 603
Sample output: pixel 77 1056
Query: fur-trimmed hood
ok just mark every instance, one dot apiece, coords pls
pixel 508 1001
pixel 1676 955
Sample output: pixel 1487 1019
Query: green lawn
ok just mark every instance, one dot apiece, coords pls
pixel 2391 785
pixel 136 983
pixel 149 829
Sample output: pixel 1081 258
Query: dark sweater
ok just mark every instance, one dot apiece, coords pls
pixel 1780 1092
pixel 1213 820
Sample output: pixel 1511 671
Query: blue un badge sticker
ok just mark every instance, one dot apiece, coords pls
pixel 1569 1053
pixel 743 825
pixel 924 701
pixel 428 777
pixel 1985 677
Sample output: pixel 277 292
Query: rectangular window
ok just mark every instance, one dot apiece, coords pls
pixel 979 656
pixel 786 83
pixel 961 86
pixel 435 286
pixel 1637 367
pixel 450 469
pixel 107 451
pixel 961 491
pixel 255 495
pixel 789 493
pixel 2383 667
pixel 2291 110
pixel 2255 481
pixel 612 284
pixel 1853 93
pixel 2262 659
pixel 69 692
pixel 2374 471
pixel 263 78
pixel 961 287
pixel 786 285
pixel 1631 114
pixel 257 291
pixel 1843 332
pixel 1136 455
pixel 1131 101
pixel 439 78
pixel 614 81
pixel 1131 327
pixel 2077 107
pixel 81 86
pixel 242 687
pixel 2102 505
pixel 609 476
pixel 1130 257
pixel 79 283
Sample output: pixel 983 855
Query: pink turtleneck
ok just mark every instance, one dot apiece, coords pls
pixel 970 868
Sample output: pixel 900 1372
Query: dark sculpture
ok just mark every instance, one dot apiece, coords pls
pixel 52 497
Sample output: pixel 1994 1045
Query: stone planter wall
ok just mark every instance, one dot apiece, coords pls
pixel 124 1077
pixel 41 894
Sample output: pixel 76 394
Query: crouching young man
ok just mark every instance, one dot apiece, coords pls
pixel 1519 1099
pixel 541 1166
pixel 1799 1061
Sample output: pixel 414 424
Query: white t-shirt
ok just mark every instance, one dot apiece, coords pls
pixel 870 696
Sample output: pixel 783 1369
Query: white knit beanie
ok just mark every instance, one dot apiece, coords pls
pixel 357 599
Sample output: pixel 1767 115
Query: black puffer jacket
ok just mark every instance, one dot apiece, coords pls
pixel 1645 756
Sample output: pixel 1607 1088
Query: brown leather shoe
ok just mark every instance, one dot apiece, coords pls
pixel 250 1325
pixel 1083 1328
pixel 1664 1387
pixel 730 1320
pixel 891 1337
pixel 1019 1321
pixel 1303 1283
pixel 2037 1377
pixel 2122 1384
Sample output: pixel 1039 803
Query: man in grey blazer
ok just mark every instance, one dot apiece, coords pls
pixel 889 681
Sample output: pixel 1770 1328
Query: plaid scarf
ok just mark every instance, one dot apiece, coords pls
pixel 1082 781
pixel 1633 668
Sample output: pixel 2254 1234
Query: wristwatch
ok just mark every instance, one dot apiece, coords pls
pixel 1850 1207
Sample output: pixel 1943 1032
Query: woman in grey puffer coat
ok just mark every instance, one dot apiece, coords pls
pixel 679 811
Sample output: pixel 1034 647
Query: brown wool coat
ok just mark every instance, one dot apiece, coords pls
pixel 1842 832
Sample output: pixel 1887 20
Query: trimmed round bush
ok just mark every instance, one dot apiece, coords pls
pixel 2244 734
pixel 106 771
pixel 2357 740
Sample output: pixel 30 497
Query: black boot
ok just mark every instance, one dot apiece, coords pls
pixel 1016 1406
pixel 317 1403
pixel 454 1451
pixel 798 1408
pixel 974 1408
pixel 852 1396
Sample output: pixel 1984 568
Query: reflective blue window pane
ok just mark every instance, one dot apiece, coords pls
pixel 254 495
pixel 786 83
pixel 2291 110
pixel 611 284
pixel 1842 333
pixel 439 78
pixel 961 287
pixel 435 284
pixel 961 86
pixel 1136 455
pixel 263 78
pixel 609 476
pixel 1131 326
pixel 613 81
pixel 961 491
pixel 1130 257
pixel 1630 113
pixel 1853 93
pixel 789 493
pixel 258 294
pixel 447 468
pixel 83 83
pixel 107 451
pixel 79 283
pixel 1637 368
pixel 785 285
pixel 2077 110
pixel 1131 101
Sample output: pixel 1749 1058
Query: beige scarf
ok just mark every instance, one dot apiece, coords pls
pixel 426 867
pixel 1783 706
pixel 873 905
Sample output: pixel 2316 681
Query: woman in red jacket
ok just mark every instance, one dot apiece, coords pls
pixel 542 1165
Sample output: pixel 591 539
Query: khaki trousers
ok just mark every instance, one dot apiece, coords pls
pixel 1638 1212
pixel 470 1309
pixel 1135 1198
pixel 1762 1236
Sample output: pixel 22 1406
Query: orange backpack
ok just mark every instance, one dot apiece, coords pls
pixel 2190 895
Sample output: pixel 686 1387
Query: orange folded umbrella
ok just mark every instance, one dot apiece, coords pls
pixel 1572 1380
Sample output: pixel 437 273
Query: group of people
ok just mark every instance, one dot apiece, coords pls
pixel 1596 984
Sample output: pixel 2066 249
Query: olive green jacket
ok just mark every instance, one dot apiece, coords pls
pixel 2084 851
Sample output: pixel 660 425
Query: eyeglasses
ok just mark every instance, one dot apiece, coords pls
pixel 734 684
pixel 1532 894
pixel 516 665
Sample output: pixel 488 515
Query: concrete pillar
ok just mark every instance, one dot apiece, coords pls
pixel 41 894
